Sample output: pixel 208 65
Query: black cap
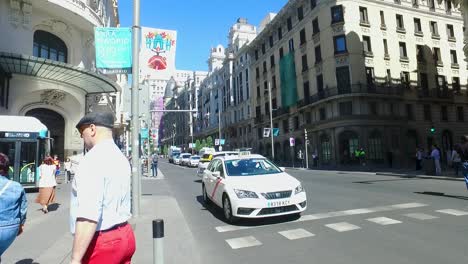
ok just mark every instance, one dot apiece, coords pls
pixel 105 119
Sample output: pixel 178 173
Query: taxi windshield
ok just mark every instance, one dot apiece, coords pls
pixel 250 167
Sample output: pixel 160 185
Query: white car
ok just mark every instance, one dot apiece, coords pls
pixel 194 160
pixel 251 186
pixel 176 160
pixel 185 159
pixel 206 159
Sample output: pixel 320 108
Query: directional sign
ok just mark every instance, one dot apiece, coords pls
pixel 275 132
pixel 292 142
pixel 266 132
pixel 217 142
pixel 222 141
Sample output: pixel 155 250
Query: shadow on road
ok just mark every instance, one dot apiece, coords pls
pixel 53 207
pixel 197 181
pixel 26 261
pixel 443 195
pixel 218 213
pixel 401 179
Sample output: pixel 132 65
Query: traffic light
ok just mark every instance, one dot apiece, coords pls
pixel 432 130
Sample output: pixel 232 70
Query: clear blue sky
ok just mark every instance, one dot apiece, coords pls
pixel 200 24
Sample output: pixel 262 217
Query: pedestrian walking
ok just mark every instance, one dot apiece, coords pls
pixel 67 164
pixel 315 158
pixel 13 207
pixel 456 160
pixel 100 198
pixel 154 165
pixel 47 183
pixel 462 150
pixel 56 162
pixel 419 157
pixel 435 155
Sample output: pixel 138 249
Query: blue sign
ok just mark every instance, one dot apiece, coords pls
pixel 275 132
pixel 222 141
pixel 144 132
pixel 113 50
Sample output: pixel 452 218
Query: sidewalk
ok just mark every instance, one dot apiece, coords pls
pixel 47 239
pixel 404 173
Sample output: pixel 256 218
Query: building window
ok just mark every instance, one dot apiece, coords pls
pixel 258 91
pixel 448 6
pixel 441 84
pixel 291 45
pixel 405 78
pixel 322 113
pixel 403 53
pixel 366 44
pixel 346 108
pixel 337 14
pixel 385 44
pixel 318 54
pixel 431 4
pixel 443 113
pixel 427 112
pixel 296 123
pixel 415 3
pixel 273 103
pixel 257 73
pixel 267 108
pixel 49 46
pixel 305 66
pixel 363 15
pixel 420 53
pixel 313 4
pixel 264 67
pixel 274 82
pixel 300 13
pixel 373 108
pixel 263 49
pixel 271 41
pixel 343 80
pixel 285 126
pixel 280 33
pixel 256 54
pixel 434 29
pixel 281 52
pixel 289 23
pixel 306 91
pixel 437 57
pixel 450 32
pixel 409 112
pixel 400 23
pixel 417 26
pixel 340 44
pixel 382 19
pixel 460 114
pixel 453 56
pixel 326 148
pixel 370 77
pixel 272 61
pixel 315 26
pixel 456 84
pixel 320 84
pixel 302 35
pixel 375 146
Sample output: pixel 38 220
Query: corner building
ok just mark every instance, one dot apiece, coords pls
pixel 372 74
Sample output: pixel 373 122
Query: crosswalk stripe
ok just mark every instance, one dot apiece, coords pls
pixel 296 234
pixel 384 221
pixel 310 217
pixel 342 226
pixel 453 212
pixel 243 242
pixel 421 216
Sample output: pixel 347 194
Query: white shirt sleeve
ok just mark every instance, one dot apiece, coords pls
pixel 90 191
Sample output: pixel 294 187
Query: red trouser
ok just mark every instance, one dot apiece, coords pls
pixel 112 247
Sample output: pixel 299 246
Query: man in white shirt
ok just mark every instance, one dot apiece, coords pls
pixel 100 197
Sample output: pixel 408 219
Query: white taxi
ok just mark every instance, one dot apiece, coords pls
pixel 251 186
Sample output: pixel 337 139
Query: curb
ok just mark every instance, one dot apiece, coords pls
pixel 421 176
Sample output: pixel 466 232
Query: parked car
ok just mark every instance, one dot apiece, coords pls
pixel 176 159
pixel 185 159
pixel 206 158
pixel 251 186
pixel 194 160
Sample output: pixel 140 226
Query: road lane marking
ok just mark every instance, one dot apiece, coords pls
pixel 421 216
pixel 342 227
pixel 296 234
pixel 384 221
pixel 243 242
pixel 311 217
pixel 453 212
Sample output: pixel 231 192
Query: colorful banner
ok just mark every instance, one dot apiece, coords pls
pixel 288 80
pixel 157 54
pixel 113 50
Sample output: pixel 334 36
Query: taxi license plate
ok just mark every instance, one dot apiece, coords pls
pixel 278 203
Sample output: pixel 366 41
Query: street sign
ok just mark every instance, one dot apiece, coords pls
pixel 266 132
pixel 222 141
pixel 144 132
pixel 275 132
pixel 216 141
pixel 292 142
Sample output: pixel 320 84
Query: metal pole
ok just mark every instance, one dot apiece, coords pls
pixel 135 111
pixel 158 238
pixel 219 126
pixel 271 123
pixel 306 155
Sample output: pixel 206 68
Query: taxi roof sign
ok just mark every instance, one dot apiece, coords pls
pixel 244 153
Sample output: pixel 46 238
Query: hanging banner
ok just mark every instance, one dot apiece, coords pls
pixel 157 53
pixel 113 50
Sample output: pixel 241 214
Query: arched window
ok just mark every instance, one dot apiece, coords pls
pixel 375 146
pixel 326 148
pixel 49 46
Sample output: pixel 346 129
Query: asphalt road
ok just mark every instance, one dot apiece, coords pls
pixel 351 218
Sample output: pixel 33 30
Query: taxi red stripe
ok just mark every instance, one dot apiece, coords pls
pixel 216 187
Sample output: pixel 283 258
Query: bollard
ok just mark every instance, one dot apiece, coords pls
pixel 158 246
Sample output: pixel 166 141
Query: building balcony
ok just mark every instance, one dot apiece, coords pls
pixel 436 93
pixel 88 9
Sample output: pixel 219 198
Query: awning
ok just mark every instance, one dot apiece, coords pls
pixel 87 81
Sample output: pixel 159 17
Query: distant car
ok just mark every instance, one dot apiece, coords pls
pixel 185 159
pixel 206 158
pixel 176 159
pixel 194 160
pixel 251 186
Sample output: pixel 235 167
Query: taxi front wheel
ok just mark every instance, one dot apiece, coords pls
pixel 206 200
pixel 227 209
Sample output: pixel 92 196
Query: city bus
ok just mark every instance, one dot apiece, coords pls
pixel 25 141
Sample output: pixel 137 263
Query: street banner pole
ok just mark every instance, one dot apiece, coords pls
pixel 136 170
pixel 271 123
pixel 306 154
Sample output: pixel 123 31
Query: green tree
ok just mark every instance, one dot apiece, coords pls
pixel 165 150
pixel 203 143
pixel 209 142
pixel 197 145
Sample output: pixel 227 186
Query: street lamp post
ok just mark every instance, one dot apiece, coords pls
pixel 136 177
